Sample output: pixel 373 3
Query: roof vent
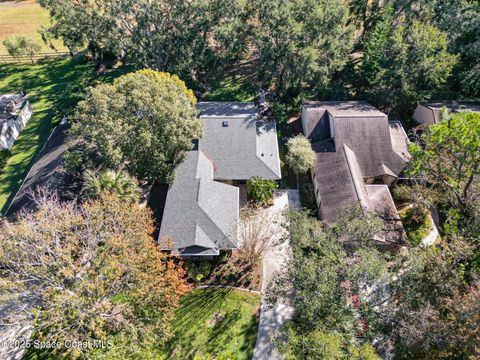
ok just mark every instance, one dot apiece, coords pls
pixel 225 123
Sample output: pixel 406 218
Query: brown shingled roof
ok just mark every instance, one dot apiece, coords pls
pixel 361 147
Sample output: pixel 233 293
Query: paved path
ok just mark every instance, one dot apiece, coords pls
pixel 273 261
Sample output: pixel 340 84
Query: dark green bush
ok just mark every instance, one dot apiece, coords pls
pixel 280 114
pixel 4 155
pixel 261 190
pixel 76 160
pixel 198 270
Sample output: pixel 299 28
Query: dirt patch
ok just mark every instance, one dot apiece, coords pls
pixel 215 319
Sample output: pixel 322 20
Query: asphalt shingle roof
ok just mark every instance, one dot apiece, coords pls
pixel 47 172
pixel 239 145
pixel 364 145
pixel 201 214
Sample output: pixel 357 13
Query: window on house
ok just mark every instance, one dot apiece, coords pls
pixel 9 133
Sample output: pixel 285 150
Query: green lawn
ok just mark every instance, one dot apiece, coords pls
pixel 42 82
pixel 238 84
pixel 231 336
pixel 24 18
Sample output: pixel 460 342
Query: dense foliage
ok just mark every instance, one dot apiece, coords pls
pixel 448 156
pixel 348 296
pixel 300 156
pixel 393 53
pixel 175 36
pixel 145 121
pixel 301 42
pixel 118 182
pixel 322 284
pixel 90 272
pixel 260 190
pixel 4 155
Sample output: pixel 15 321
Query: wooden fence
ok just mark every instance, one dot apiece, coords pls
pixel 4 59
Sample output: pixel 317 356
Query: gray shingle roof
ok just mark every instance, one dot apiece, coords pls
pixel 201 215
pixel 47 172
pixel 226 109
pixel 239 145
pixel 430 112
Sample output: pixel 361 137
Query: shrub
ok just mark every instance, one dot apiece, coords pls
pixel 403 194
pixel 75 161
pixel 417 223
pixel 300 156
pixel 111 181
pixel 197 271
pixel 280 115
pixel 4 155
pixel 307 196
pixel 261 190
pixel 75 92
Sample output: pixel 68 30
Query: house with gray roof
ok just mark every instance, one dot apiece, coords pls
pixel 202 206
pixel 359 153
pixel 15 111
pixel 46 173
pixel 429 113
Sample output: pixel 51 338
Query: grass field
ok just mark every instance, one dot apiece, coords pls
pixel 24 18
pixel 215 323
pixel 42 82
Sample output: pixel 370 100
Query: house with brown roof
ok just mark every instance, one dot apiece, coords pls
pixel 359 154
pixel 429 113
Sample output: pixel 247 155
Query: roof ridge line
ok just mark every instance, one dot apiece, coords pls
pixel 355 186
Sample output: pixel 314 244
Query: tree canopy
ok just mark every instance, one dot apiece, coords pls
pixel 348 296
pixel 90 272
pixel 22 46
pixel 301 42
pixel 325 296
pixel 448 155
pixel 145 121
pixel 392 53
pixel 405 63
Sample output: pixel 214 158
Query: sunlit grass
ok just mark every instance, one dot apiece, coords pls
pixel 24 18
pixel 231 335
pixel 42 82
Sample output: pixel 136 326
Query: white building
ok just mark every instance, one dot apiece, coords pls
pixel 15 111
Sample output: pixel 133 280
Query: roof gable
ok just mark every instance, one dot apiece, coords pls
pixel 200 212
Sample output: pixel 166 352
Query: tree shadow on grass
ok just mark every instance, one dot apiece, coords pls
pixel 197 333
pixel 198 306
pixel 43 83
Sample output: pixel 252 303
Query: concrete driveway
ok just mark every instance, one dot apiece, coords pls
pixel 274 260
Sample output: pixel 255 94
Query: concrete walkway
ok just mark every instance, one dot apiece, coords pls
pixel 272 319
